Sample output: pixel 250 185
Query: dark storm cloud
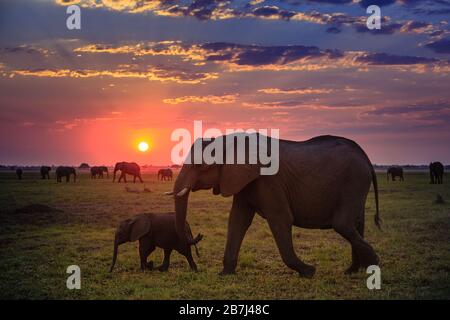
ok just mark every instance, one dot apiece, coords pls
pixel 440 46
pixel 270 11
pixel 23 49
pixel 262 55
pixel 385 29
pixel 415 25
pixel 200 9
pixel 390 59
pixel 430 12
pixel 415 108
pixel 300 2
pixel 380 3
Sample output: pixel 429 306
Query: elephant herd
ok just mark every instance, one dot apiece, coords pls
pixel 436 172
pixel 298 195
pixel 97 172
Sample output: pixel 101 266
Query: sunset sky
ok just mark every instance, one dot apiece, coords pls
pixel 137 70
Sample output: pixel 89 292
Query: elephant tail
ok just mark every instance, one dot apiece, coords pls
pixel 375 188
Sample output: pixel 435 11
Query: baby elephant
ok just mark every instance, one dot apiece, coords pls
pixel 155 230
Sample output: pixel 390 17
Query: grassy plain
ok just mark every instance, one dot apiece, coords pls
pixel 36 248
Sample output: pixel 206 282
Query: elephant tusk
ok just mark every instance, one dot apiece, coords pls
pixel 183 192
pixel 168 193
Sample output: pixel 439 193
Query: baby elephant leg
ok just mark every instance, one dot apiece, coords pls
pixel 165 265
pixel 145 249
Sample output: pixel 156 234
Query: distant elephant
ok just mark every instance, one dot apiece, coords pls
pixel 19 173
pixel 65 172
pixel 297 195
pixel 45 172
pixel 436 172
pixel 165 174
pixel 155 230
pixel 125 168
pixel 395 172
pixel 97 172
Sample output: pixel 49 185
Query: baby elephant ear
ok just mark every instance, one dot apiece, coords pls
pixel 140 226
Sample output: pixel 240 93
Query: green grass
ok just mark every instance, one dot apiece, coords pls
pixel 35 249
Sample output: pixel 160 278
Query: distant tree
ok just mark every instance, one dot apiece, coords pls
pixel 84 166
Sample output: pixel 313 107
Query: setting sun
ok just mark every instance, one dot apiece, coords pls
pixel 143 146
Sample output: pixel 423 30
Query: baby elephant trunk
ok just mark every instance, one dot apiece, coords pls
pixel 116 248
pixel 194 241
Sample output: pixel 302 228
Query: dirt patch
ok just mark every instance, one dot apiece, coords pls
pixel 36 208
pixel 37 214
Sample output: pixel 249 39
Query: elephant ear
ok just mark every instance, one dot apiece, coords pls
pixel 140 226
pixel 234 177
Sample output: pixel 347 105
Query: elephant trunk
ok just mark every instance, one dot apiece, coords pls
pixel 114 176
pixel 180 217
pixel 74 177
pixel 116 248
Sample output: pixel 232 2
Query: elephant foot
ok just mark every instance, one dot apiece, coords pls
pixel 307 271
pixel 163 268
pixel 225 272
pixel 370 260
pixel 353 268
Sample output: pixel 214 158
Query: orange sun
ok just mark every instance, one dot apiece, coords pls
pixel 143 146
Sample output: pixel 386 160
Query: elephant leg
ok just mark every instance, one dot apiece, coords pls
pixel 134 179
pixel 145 249
pixel 241 216
pixel 344 225
pixel 356 264
pixel 282 232
pixel 166 262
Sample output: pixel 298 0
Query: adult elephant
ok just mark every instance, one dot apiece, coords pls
pixel 165 174
pixel 19 173
pixel 125 168
pixel 66 172
pixel 395 172
pixel 103 169
pixel 97 172
pixel 45 172
pixel 436 172
pixel 321 183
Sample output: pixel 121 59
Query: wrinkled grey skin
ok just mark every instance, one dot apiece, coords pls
pixel 165 174
pixel 322 183
pixel 45 172
pixel 62 171
pixel 436 172
pixel 125 168
pixel 155 230
pixel 395 172
pixel 97 172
